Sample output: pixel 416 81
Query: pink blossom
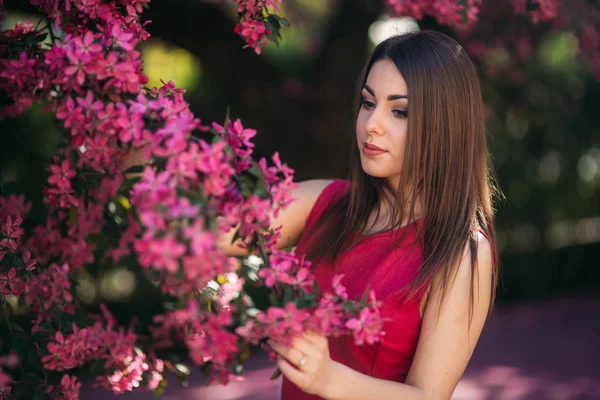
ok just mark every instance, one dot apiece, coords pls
pixel 125 380
pixel 282 324
pixel 542 10
pixel 14 205
pixel 154 189
pixel 122 38
pixel 213 163
pixel 10 233
pixel 231 288
pixel 69 388
pixel 447 12
pixel 283 266
pixel 160 252
pixel 328 317
pixel 338 288
pixel 368 326
pixel 61 175
pixel 49 291
pixel 254 33
pixel 86 44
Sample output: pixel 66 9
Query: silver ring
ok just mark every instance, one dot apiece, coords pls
pixel 303 361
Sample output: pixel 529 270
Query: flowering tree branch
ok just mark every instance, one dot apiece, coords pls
pixel 163 222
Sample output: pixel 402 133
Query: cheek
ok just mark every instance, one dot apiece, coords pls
pixel 358 128
pixel 398 141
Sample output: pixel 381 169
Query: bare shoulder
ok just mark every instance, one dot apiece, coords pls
pixel 311 189
pixel 292 219
pixel 484 262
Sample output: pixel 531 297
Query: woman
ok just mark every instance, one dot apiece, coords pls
pixel 414 223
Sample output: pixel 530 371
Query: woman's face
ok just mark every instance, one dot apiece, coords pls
pixel 383 122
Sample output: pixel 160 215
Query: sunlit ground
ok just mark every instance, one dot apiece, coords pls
pixel 537 351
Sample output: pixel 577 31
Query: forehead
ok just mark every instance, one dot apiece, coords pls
pixel 385 79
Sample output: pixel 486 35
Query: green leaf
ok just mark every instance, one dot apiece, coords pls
pixel 16 328
pixel 128 184
pixel 33 357
pixel 256 171
pixel 464 11
pixel 136 169
pixel 26 394
pixel 273 299
pixel 288 294
pixel 31 377
pixel 236 236
pixel 73 215
pixel 308 300
pixel 18 344
pixel 365 296
pixel 97 367
pixel 40 394
pixel 273 25
pixel 247 185
pixel 96 238
pixel 41 37
pixel 281 20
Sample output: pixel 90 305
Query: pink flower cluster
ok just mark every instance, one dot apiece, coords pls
pixel 539 10
pixel 206 335
pixel 253 24
pixel 448 12
pixel 125 367
pixel 129 378
pixel 464 13
pixel 286 269
pixel 334 315
pixel 67 390
pixel 12 211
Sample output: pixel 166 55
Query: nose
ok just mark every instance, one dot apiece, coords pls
pixel 373 123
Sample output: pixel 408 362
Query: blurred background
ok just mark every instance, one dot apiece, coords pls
pixel 542 96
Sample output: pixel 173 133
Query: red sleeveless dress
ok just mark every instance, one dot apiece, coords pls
pixel 371 263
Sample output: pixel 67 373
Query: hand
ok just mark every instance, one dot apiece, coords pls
pixel 307 363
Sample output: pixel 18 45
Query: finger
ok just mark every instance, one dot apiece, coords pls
pixel 291 354
pixel 294 375
pixel 307 347
pixel 318 340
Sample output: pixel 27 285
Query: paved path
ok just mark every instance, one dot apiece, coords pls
pixel 538 351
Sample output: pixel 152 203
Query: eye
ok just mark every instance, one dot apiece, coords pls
pixel 367 104
pixel 400 113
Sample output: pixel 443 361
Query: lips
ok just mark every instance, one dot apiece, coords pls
pixel 373 147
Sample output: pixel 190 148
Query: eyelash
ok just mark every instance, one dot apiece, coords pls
pixel 397 113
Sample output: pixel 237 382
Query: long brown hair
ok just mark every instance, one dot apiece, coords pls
pixel 445 165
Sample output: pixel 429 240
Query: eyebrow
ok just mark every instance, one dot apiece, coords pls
pixel 390 97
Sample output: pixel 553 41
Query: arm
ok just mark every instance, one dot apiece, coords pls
pixel 291 219
pixel 443 352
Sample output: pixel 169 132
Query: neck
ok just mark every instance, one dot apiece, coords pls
pixel 385 211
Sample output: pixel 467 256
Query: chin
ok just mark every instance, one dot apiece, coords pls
pixel 375 172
